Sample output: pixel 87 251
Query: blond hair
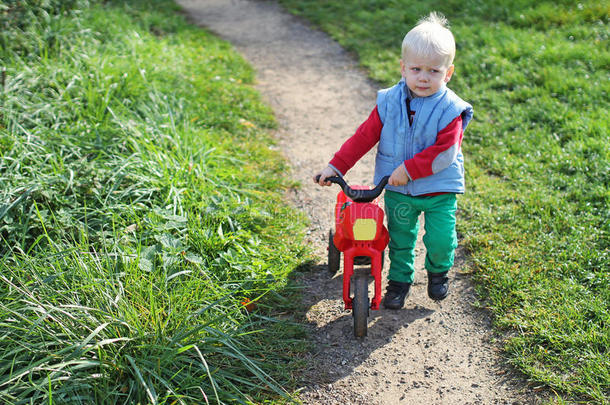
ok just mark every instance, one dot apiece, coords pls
pixel 430 38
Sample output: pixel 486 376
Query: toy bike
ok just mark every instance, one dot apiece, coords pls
pixel 362 237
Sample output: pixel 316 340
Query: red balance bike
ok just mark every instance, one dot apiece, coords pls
pixel 362 237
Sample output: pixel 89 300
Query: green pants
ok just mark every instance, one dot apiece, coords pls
pixel 440 238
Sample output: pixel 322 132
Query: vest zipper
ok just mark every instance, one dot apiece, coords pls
pixel 411 131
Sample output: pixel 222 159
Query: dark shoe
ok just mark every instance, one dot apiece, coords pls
pixel 438 286
pixel 395 295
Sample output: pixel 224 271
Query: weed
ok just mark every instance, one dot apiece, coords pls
pixel 138 211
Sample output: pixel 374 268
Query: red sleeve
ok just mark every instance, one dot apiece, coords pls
pixel 438 156
pixel 366 136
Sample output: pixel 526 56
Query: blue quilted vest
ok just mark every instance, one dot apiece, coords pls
pixel 399 141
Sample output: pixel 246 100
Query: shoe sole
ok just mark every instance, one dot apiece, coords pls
pixel 439 298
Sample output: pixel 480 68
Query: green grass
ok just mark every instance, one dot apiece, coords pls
pixel 535 218
pixel 140 205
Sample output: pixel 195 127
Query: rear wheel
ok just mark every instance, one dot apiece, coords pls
pixel 360 303
pixel 366 261
pixel 334 255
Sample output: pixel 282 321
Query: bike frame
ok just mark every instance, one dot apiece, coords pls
pixel 360 232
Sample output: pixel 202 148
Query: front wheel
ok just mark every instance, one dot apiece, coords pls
pixel 360 303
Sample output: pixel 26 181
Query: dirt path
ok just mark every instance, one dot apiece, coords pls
pixel 427 353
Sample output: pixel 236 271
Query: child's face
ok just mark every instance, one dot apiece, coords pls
pixel 425 75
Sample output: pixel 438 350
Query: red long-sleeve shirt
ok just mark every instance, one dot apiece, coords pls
pixel 368 133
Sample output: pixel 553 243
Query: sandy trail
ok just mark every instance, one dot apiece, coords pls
pixel 426 353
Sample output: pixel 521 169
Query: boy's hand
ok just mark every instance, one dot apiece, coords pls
pixel 327 172
pixel 399 176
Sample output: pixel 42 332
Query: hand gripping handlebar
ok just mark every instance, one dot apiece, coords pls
pixel 358 195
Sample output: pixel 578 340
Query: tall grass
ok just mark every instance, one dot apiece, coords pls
pixel 140 206
pixel 535 217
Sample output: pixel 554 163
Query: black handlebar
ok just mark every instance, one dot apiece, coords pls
pixel 358 195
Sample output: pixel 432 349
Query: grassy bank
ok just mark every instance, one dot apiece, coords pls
pixel 535 216
pixel 140 208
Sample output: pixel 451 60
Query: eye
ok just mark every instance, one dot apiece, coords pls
pixel 415 69
pixel 434 70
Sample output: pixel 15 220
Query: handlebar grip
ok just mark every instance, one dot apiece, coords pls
pixel 333 179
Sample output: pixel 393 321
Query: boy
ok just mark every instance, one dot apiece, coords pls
pixel 418 125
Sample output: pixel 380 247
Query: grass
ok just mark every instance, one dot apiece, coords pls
pixel 141 206
pixel 535 218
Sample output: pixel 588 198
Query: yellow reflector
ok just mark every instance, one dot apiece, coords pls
pixel 365 229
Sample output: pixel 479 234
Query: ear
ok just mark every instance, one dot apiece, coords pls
pixel 449 73
pixel 403 68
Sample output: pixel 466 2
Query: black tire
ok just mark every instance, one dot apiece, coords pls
pixel 362 261
pixel 334 255
pixel 366 261
pixel 360 303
